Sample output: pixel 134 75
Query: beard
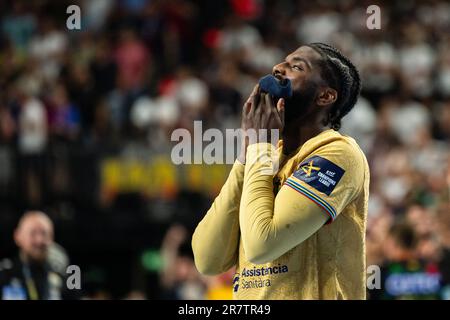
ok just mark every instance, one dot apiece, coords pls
pixel 299 105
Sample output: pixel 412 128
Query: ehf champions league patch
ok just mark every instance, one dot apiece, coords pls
pixel 320 173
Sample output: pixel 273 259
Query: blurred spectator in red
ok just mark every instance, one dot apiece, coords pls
pixel 133 61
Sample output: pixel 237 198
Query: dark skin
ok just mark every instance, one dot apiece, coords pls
pixel 260 112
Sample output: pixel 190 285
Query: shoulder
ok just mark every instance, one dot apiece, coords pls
pixel 342 146
pixel 336 148
pixel 332 160
pixel 334 144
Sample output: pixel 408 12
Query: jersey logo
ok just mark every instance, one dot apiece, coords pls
pixel 320 173
pixel 236 282
pixel 309 167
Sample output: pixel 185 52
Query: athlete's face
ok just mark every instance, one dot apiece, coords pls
pixel 302 69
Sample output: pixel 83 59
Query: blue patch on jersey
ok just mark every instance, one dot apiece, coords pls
pixel 320 173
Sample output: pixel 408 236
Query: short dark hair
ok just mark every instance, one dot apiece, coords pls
pixel 340 74
pixel 404 235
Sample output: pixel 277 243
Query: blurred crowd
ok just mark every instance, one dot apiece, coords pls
pixel 138 69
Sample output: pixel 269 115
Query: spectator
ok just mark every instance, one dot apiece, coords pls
pixel 32 143
pixel 47 47
pixel 64 116
pixel 403 275
pixel 179 278
pixel 133 61
pixel 31 276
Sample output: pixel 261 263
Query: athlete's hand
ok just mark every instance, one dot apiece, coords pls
pixel 260 112
pixel 245 110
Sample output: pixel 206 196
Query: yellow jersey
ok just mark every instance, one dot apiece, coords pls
pixel 296 234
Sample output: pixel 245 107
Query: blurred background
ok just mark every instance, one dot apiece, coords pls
pixel 86 117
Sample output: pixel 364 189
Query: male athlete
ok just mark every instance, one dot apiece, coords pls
pixel 300 233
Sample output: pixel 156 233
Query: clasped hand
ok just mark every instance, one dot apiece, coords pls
pixel 260 115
